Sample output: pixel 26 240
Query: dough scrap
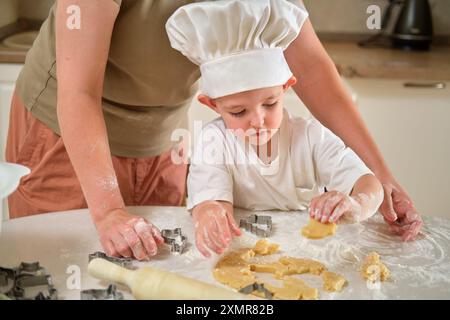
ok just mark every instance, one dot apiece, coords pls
pixel 373 269
pixel 317 230
pixel 332 282
pixel 263 247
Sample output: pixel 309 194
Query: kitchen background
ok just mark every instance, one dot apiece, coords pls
pixel 411 125
pixel 327 15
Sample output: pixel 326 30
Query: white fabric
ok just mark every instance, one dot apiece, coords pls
pixel 238 44
pixel 310 158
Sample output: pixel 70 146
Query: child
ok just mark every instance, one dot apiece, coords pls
pixel 256 156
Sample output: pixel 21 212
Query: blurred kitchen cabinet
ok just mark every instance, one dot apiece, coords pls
pixel 411 125
pixel 8 76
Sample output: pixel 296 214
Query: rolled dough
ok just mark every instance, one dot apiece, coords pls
pixel 299 266
pixel 237 270
pixel 293 289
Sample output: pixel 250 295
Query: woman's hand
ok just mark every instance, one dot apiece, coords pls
pixel 329 207
pixel 215 227
pixel 399 212
pixel 126 235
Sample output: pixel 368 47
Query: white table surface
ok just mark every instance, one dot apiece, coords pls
pixel 420 269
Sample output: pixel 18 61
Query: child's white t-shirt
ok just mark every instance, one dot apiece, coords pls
pixel 310 157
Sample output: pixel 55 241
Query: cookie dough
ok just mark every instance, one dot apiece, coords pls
pixel 332 282
pixel 277 268
pixel 263 247
pixel 234 270
pixel 299 266
pixel 293 289
pixel 317 230
pixel 373 269
pixel 237 269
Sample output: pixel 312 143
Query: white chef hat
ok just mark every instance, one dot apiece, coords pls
pixel 238 44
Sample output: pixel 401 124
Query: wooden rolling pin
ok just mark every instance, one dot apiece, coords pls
pixel 149 283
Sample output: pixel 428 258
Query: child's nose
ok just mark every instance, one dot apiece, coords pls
pixel 257 120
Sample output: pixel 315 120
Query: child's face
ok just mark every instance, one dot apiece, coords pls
pixel 257 113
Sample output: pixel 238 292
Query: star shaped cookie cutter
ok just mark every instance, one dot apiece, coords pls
pixel 258 225
pixel 174 238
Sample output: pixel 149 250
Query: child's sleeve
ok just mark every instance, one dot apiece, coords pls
pixel 209 177
pixel 337 167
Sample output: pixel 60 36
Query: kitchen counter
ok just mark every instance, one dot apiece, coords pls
pixel 9 55
pixel 419 269
pixel 354 61
pixel 350 59
pixel 13 55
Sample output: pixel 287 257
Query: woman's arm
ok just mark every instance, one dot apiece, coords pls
pixel 81 57
pixel 320 88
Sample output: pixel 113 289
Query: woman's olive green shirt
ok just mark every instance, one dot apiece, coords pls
pixel 148 85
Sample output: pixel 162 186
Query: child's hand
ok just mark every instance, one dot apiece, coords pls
pixel 331 206
pixel 214 227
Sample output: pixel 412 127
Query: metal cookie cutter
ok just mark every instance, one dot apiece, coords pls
pixel 25 276
pixel 259 225
pixel 110 293
pixel 30 268
pixel 24 281
pixel 175 239
pixel 123 262
pixel 257 287
pixel 7 278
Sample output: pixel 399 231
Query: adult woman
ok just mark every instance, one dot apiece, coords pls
pixel 96 104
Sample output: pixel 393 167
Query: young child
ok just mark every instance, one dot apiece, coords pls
pixel 256 156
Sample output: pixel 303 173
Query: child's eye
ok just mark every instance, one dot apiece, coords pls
pixel 238 114
pixel 271 105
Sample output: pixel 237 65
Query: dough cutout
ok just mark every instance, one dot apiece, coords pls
pixel 332 282
pixel 317 230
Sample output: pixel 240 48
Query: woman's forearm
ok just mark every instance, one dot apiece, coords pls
pixel 334 108
pixel 81 56
pixel 367 196
pixel 321 89
pixel 85 138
